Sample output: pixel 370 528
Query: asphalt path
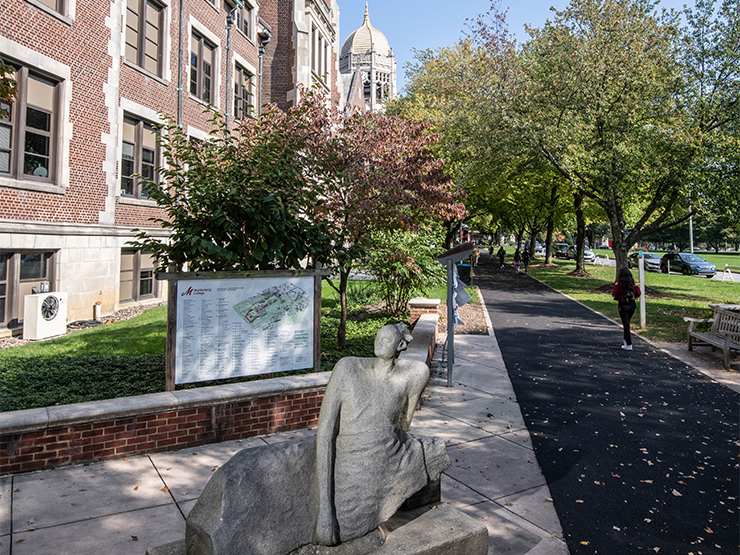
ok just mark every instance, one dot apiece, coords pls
pixel 640 451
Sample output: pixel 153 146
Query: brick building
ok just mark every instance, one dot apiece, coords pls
pixel 92 77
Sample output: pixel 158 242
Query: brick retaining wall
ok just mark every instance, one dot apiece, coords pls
pixel 62 435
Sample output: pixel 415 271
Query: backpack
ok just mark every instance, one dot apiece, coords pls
pixel 629 295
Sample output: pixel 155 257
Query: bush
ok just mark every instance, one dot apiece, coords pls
pixel 404 266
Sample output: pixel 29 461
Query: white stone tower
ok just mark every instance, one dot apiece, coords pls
pixel 368 68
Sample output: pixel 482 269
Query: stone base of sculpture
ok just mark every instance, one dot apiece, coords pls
pixel 339 493
pixel 429 530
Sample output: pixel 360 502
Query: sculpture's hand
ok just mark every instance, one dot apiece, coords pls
pixel 327 528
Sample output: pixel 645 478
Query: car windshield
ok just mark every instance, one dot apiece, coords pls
pixel 651 255
pixel 688 257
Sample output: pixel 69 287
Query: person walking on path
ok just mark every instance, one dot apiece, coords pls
pixel 501 255
pixel 525 260
pixel 517 260
pixel 625 291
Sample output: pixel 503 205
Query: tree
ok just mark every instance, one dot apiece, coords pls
pixel 388 179
pixel 623 109
pixel 7 87
pixel 252 199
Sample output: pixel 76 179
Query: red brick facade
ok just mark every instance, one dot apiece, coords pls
pixel 36 450
pixel 77 213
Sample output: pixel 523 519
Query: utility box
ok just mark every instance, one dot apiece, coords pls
pixel 44 315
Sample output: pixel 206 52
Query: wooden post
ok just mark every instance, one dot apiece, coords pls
pixel 317 323
pixel 169 374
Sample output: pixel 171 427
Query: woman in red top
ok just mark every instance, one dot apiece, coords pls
pixel 625 291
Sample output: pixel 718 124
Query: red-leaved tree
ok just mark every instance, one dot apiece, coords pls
pixel 389 179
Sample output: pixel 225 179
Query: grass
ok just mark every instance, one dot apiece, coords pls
pixel 128 358
pixel 668 300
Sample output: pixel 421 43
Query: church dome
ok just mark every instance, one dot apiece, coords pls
pixel 366 39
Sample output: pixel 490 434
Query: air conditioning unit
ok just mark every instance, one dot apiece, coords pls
pixel 44 315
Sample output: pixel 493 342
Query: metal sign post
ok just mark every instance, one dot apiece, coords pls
pixel 450 321
pixel 641 266
pixel 449 259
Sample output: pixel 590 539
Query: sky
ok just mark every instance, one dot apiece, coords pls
pixel 422 24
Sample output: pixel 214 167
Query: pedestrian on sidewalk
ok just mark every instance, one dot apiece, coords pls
pixel 525 260
pixel 501 255
pixel 625 291
pixel 517 260
pixel 474 256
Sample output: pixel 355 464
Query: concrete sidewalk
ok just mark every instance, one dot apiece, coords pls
pixel 124 507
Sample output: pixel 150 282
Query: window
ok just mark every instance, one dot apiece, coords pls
pixel 244 17
pixel 27 145
pixel 4 259
pixel 21 274
pixel 144 38
pixel 137 276
pixel 56 5
pixel 313 48
pixel 202 63
pixel 243 92
pixel 138 156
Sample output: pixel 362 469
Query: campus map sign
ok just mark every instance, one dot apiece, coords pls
pixel 228 328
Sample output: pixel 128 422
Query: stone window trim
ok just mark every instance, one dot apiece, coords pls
pixel 240 63
pixel 12 316
pixel 195 133
pixel 246 18
pixel 133 110
pixel 47 68
pixel 144 285
pixel 132 65
pixel 149 15
pixel 196 28
pixel 65 13
pixel 165 68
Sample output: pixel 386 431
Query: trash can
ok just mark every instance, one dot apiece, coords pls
pixel 463 271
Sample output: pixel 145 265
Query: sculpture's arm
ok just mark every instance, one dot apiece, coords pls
pixel 418 377
pixel 327 527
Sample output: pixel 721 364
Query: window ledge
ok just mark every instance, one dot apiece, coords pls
pixel 208 105
pixel 242 33
pixel 43 7
pixel 137 201
pixel 318 79
pixel 32 186
pixel 149 74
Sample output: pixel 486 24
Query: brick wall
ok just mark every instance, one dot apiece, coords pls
pixel 148 433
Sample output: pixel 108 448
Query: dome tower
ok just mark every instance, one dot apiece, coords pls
pixel 368 67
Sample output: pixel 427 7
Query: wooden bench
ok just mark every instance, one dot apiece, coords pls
pixel 725 331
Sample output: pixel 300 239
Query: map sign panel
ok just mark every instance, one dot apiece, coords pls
pixel 228 328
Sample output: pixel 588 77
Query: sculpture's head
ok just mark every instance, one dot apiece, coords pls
pixel 391 340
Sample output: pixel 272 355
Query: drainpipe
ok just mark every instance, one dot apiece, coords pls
pixel 229 24
pixel 264 38
pixel 179 64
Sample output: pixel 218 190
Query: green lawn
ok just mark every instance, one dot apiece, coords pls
pixel 127 358
pixel 669 298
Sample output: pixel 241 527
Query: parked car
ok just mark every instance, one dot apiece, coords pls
pixel 603 247
pixel 539 249
pixel 687 263
pixel 652 261
pixel 588 254
pixel 560 250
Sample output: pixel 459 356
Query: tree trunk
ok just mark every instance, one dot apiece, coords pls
pixel 548 240
pixel 451 227
pixel 342 329
pixel 580 232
